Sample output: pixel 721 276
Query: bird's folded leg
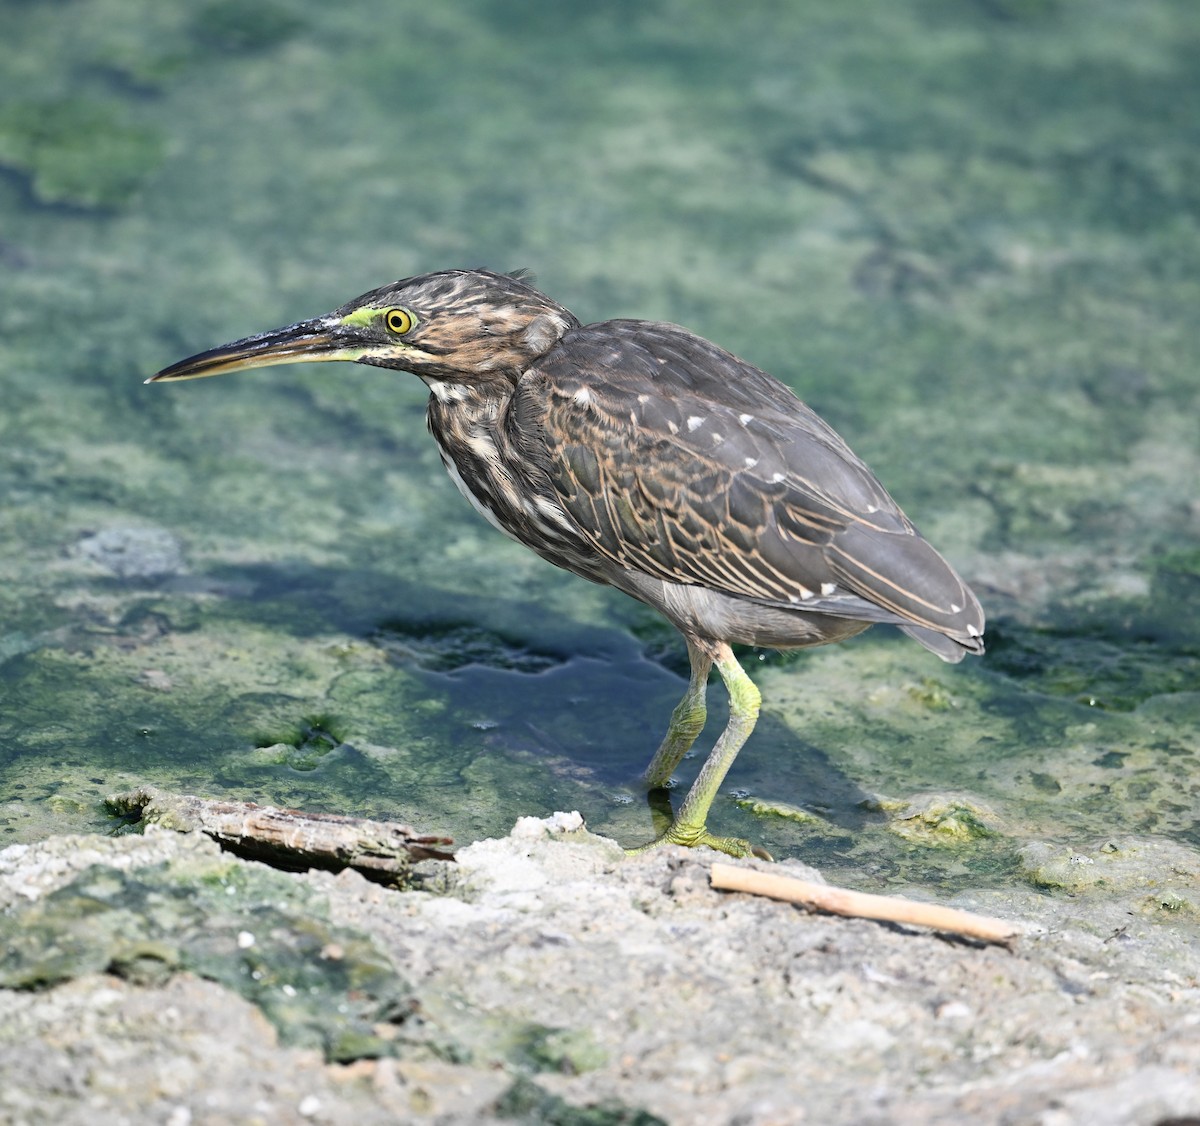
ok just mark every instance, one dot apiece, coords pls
pixel 687 721
pixel 690 824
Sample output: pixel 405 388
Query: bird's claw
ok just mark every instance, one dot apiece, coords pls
pixel 700 837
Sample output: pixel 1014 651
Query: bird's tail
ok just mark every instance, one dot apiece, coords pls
pixel 952 648
pixel 901 572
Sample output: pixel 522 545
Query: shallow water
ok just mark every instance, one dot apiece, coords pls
pixel 965 232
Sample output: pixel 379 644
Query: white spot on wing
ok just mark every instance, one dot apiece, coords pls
pixel 582 397
pixel 672 426
pixel 776 478
pixel 744 418
pixel 827 589
pixel 750 462
pixel 955 608
pixel 872 508
pixel 805 593
pixel 695 421
pixel 717 438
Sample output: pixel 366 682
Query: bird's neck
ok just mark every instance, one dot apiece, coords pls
pixel 483 398
pixel 481 451
pixel 467 423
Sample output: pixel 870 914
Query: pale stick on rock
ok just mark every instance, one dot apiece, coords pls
pixel 861 905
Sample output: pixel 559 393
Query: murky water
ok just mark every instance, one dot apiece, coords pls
pixel 967 233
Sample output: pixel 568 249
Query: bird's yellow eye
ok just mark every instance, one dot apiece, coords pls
pixel 399 321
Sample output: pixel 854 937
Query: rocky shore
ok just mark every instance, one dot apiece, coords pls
pixel 545 977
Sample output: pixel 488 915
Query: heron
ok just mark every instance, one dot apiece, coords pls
pixel 641 456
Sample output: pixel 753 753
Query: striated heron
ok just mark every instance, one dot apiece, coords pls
pixel 641 456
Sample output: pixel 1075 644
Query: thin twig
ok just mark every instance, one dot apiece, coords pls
pixel 861 905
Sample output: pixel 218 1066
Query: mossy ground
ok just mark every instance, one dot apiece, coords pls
pixel 965 232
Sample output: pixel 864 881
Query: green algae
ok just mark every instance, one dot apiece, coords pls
pixel 228 26
pixel 568 1051
pixel 944 820
pixel 1099 672
pixel 763 807
pixel 525 1101
pixel 303 746
pixel 82 153
pixel 249 928
pixel 447 647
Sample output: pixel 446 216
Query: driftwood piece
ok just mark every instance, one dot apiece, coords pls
pixel 862 905
pixel 287 838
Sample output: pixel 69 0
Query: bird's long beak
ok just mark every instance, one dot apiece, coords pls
pixel 325 338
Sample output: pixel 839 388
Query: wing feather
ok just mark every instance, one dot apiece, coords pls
pixel 678 460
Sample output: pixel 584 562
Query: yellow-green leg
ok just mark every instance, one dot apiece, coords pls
pixel 689 826
pixel 687 721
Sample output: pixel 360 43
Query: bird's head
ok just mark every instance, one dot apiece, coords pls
pixel 464 326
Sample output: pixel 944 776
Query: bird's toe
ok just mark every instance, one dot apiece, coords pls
pixel 700 837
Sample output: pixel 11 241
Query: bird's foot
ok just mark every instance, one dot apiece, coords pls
pixel 698 836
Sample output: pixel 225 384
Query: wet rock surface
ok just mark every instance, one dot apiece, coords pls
pixel 133 553
pixel 545 977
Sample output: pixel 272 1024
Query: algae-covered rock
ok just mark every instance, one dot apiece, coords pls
pixel 526 1102
pixel 766 807
pixel 942 819
pixel 253 930
pixel 1167 871
pixel 133 552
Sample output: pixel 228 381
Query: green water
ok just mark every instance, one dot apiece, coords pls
pixel 966 232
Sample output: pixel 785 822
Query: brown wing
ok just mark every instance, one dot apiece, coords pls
pixel 676 459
